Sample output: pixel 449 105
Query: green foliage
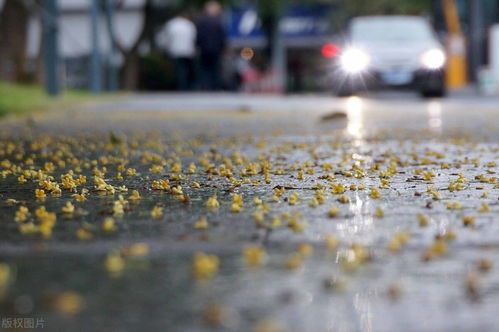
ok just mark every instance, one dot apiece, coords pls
pixel 379 7
pixel 19 99
pixel 355 7
pixel 198 3
pixel 156 72
pixel 346 9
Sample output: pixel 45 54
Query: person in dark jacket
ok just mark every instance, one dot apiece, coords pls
pixel 211 42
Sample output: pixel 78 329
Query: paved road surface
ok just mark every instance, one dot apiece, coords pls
pixel 399 271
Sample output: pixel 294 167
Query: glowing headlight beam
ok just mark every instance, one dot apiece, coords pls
pixel 433 59
pixel 354 60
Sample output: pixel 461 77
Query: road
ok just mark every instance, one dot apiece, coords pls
pixel 371 213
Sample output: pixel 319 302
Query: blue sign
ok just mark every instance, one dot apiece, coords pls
pixel 243 22
pixel 299 21
pixel 305 22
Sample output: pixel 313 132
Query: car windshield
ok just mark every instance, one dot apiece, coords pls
pixel 390 29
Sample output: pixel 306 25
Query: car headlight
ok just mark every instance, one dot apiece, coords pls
pixel 433 59
pixel 354 60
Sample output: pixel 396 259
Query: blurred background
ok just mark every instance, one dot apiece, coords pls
pixel 264 46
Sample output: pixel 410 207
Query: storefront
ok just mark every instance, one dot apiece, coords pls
pixel 304 30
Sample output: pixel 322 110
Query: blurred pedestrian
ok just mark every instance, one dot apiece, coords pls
pixel 178 37
pixel 211 41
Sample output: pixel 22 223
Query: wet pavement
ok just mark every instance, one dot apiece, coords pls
pixel 385 219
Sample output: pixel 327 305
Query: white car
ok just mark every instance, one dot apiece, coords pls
pixel 391 51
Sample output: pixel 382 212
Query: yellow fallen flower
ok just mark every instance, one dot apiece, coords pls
pixel 205 266
pixel 331 241
pixel 68 208
pixel 212 202
pixel 423 220
pixel 21 214
pixel 108 225
pixel 157 212
pixel 333 212
pixel 40 193
pixel 379 212
pixel 69 303
pixel 202 223
pixel 254 256
pixel 134 196
pixel 83 234
pixel 374 193
pixel 484 207
pixel 114 264
pixel 118 209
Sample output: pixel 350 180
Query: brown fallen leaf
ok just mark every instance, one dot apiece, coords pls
pixel 336 115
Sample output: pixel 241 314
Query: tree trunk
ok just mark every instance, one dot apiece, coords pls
pixel 13 38
pixel 130 71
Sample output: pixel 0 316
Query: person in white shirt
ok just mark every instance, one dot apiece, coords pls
pixel 178 38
